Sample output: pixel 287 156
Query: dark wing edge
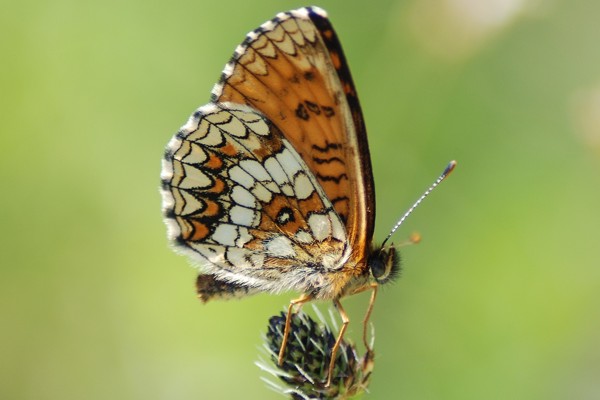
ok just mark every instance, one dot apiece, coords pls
pixel 365 173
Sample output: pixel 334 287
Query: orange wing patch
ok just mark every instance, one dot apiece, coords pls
pixel 293 70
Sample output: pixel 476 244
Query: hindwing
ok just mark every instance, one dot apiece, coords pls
pixel 242 202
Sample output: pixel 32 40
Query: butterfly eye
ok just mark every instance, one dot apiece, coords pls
pixel 385 264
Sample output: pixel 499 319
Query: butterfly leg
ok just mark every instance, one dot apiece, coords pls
pixel 373 287
pixel 288 321
pixel 338 341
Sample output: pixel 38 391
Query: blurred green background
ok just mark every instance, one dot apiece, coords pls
pixel 500 300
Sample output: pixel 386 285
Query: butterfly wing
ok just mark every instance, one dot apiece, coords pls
pixel 293 70
pixel 242 203
pixel 269 188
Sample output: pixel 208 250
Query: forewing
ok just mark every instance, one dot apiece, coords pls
pixel 240 200
pixel 292 69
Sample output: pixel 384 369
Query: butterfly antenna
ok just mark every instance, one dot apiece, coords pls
pixel 443 176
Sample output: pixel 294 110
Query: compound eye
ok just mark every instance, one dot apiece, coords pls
pixel 384 265
pixel 378 268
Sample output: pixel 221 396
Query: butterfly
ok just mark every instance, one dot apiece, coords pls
pixel 269 187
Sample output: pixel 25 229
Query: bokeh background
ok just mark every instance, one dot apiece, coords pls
pixel 500 300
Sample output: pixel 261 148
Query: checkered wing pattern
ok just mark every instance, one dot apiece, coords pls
pixel 269 187
pixel 243 203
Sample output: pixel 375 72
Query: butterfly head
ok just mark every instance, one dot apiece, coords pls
pixel 384 264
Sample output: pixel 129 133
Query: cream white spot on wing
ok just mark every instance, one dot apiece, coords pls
pixel 253 120
pixel 293 31
pixel 199 131
pixel 262 194
pixel 265 47
pixel 238 175
pixel 194 178
pixel 225 234
pixel 214 137
pixel 195 154
pixel 303 237
pixel 308 29
pixel 243 216
pixel 258 66
pixel 259 127
pixel 275 170
pixel 320 225
pixel 218 117
pixel 284 217
pixel 280 246
pixel 289 163
pixel 283 41
pixel 242 196
pixel 339 231
pixel 303 187
pixel 234 127
pixel 271 186
pixel 244 236
pixel 192 204
pixel 287 189
pixel 251 143
pixel 255 169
